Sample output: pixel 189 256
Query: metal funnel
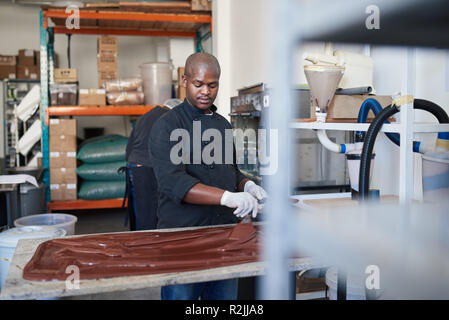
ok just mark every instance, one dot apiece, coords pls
pixel 323 81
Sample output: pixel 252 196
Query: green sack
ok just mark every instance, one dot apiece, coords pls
pixel 100 138
pixel 101 171
pixel 99 190
pixel 104 149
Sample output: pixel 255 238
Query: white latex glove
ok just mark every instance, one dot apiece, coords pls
pixel 244 203
pixel 256 191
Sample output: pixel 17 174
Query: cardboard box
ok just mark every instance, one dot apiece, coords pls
pixel 62 139
pixel 38 59
pixel 107 63
pixel 63 159
pixel 66 75
pixel 7 72
pixel 63 192
pixel 181 89
pixel 63 176
pixel 201 5
pixel 27 72
pixel 104 76
pixel 348 106
pixel 27 57
pixel 92 97
pixel 60 127
pixel 8 60
pixel 108 43
pixel 62 143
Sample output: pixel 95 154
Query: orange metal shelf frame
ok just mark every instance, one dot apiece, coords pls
pixel 102 21
pixel 176 18
pixel 125 32
pixel 132 16
pixel 98 110
pixel 85 204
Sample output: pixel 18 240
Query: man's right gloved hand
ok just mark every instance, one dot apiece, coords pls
pixel 243 201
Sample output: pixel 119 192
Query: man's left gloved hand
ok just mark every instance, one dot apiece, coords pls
pixel 256 191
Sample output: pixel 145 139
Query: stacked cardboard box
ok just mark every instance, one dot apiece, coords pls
pixel 346 107
pixel 63 179
pixel 66 75
pixel 64 90
pixel 92 97
pixel 8 66
pixel 107 49
pixel 28 66
pixel 181 89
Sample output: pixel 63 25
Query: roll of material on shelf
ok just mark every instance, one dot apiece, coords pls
pixel 29 103
pixel 30 138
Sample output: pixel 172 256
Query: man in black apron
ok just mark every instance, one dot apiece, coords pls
pixel 194 191
pixel 141 183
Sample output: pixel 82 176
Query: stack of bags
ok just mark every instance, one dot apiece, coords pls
pixel 124 92
pixel 107 50
pixel 102 157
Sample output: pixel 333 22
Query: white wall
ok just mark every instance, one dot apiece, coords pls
pixel 19 29
pixel 239 45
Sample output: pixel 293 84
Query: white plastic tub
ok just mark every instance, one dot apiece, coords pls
pixel 58 220
pixel 10 238
pixel 353 160
pixel 435 174
pixel 157 80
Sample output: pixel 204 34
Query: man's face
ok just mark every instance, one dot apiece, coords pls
pixel 201 86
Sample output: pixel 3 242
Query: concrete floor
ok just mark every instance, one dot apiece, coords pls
pixel 103 221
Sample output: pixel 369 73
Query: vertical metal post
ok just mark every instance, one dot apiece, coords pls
pixel 406 135
pixel 277 244
pixel 44 106
pixel 51 54
pixel 198 46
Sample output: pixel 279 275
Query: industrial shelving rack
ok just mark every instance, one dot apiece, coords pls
pixel 130 19
pixel 21 88
pixel 406 23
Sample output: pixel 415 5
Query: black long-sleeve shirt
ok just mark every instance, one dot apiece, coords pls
pixel 175 180
pixel 137 147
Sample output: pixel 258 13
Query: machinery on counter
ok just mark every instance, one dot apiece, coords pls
pixel 328 174
pixel 323 81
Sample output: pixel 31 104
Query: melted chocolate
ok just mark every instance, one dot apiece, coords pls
pixel 143 253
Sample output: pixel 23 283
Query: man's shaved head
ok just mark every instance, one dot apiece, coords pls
pixel 202 60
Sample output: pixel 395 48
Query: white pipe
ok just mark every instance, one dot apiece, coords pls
pixel 327 143
pixel 337 148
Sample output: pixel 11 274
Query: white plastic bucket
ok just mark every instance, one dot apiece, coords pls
pixel 58 220
pixel 157 80
pixel 10 238
pixel 435 175
pixel 353 160
pixel 355 285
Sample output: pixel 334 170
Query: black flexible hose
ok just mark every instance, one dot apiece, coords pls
pixel 373 130
pixel 418 104
pixel 368 146
pixel 433 108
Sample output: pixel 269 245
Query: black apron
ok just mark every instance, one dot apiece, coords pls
pixel 141 191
